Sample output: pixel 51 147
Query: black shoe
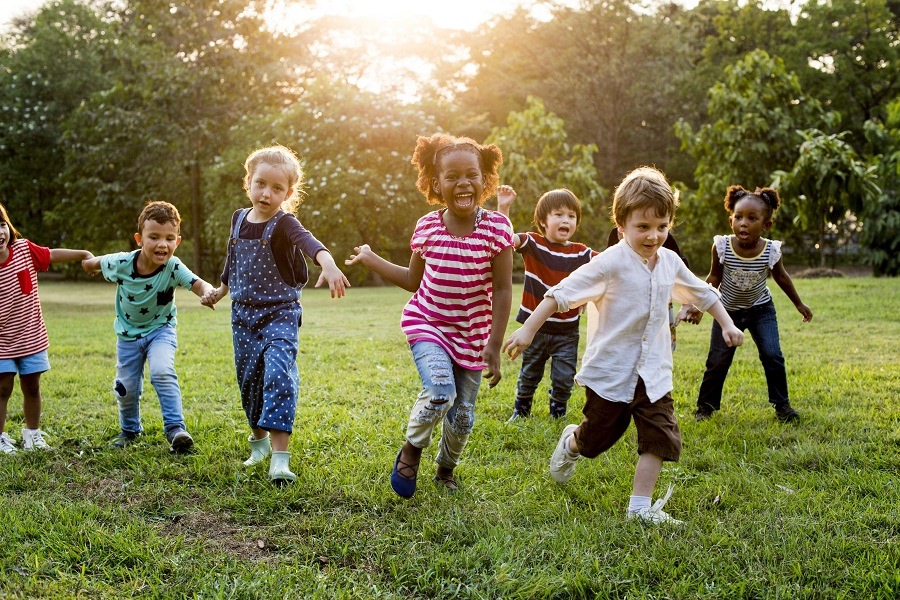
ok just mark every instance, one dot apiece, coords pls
pixel 125 438
pixel 702 413
pixel 180 441
pixel 786 413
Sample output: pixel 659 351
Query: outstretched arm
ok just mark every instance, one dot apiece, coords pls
pixel 786 284
pixel 506 195
pixel 730 333
pixel 202 288
pixel 91 265
pixel 213 295
pixel 337 281
pixel 692 314
pixel 407 278
pixel 59 255
pixel 524 335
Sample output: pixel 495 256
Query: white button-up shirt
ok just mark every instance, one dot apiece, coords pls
pixel 630 338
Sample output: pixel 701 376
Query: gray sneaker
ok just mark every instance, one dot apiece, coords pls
pixel 655 514
pixel 180 441
pixel 7 444
pixel 562 463
pixel 124 439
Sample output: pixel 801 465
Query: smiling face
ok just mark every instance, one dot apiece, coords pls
pixel 645 232
pixel 460 182
pixel 4 238
pixel 750 218
pixel 158 242
pixel 268 187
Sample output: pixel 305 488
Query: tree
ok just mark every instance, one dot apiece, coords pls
pixel 755 117
pixel 827 182
pixel 537 157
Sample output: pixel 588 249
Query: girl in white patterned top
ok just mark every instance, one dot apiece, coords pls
pixel 740 265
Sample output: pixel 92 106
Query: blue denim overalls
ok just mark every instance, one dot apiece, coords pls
pixel 265 321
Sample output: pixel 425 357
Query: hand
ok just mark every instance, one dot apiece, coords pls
pixel 733 336
pixel 210 298
pixel 506 195
pixel 517 343
pixel 359 258
pixel 689 314
pixel 805 311
pixel 492 372
pixel 91 265
pixel 337 281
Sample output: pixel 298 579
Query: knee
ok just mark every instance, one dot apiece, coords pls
pixel 126 388
pixel 464 419
pixel 432 405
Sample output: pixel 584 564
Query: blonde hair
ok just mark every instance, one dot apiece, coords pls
pixel 285 159
pixel 643 188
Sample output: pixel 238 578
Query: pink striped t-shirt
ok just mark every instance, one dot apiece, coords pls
pixel 21 320
pixel 452 306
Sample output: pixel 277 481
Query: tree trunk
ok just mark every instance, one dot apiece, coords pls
pixel 197 218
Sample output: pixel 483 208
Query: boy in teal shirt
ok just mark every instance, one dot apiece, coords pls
pixel 145 321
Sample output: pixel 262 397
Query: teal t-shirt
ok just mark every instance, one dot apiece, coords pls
pixel 144 302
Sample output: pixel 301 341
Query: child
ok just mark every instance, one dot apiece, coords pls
pixel 740 265
pixel 24 341
pixel 265 271
pixel 627 368
pixel 549 257
pixel 145 322
pixel 461 275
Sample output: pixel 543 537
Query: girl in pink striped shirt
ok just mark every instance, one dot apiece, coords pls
pixel 460 274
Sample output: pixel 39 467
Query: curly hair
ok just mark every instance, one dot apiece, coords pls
pixel 555 200
pixel 4 218
pixel 768 196
pixel 161 212
pixel 285 159
pixel 429 151
pixel 643 188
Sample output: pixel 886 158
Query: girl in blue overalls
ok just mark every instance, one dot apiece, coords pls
pixel 265 272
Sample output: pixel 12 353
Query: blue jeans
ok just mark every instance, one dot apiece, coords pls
pixel 448 394
pixel 562 351
pixel 158 349
pixel 763 326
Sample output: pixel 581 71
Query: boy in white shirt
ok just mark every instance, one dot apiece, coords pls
pixel 627 367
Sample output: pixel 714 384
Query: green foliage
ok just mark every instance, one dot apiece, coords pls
pixel 537 158
pixel 770 511
pixel 755 114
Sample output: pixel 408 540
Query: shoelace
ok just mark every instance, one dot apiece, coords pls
pixel 658 505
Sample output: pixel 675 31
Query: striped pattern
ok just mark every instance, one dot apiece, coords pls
pixel 546 264
pixel 744 279
pixel 21 320
pixel 453 304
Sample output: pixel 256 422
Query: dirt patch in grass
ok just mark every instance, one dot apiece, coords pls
pixel 219 535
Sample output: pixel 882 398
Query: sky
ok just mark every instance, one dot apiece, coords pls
pixel 13 8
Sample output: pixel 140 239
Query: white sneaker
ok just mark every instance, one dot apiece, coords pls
pixel 7 444
pixel 33 439
pixel 562 463
pixel 656 514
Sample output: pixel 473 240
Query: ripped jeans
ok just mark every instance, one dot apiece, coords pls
pixel 448 393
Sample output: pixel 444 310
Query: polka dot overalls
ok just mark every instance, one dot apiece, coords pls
pixel 265 320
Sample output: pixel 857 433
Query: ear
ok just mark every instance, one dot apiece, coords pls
pixel 767 225
pixel 435 186
pixel 289 193
pixel 137 239
pixel 178 241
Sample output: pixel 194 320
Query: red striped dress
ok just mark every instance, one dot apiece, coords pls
pixel 22 330
pixel 453 304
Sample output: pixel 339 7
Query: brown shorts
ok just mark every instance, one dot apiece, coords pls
pixel 605 422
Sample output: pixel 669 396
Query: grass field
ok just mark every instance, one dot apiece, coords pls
pixel 770 511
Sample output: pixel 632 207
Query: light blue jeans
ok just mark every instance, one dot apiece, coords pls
pixel 158 349
pixel 448 394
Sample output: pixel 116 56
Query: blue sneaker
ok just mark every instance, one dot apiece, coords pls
pixel 404 485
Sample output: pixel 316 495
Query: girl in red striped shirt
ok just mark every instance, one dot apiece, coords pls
pixel 24 341
pixel 460 274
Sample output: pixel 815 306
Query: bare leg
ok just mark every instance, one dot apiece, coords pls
pixel 6 387
pixel 646 473
pixel 411 455
pixel 280 439
pixel 31 404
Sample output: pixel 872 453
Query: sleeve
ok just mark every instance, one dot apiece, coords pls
pixel 302 238
pixel 40 256
pixel 503 237
pixel 183 276
pixel 721 243
pixel 587 283
pixel 690 289
pixel 110 265
pixel 419 237
pixel 525 243
pixel 775 254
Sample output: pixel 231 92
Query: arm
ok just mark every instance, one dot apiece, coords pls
pixel 500 307
pixel 692 314
pixel 337 282
pixel 58 255
pixel 201 288
pixel 731 334
pixel 506 195
pixel 524 335
pixel 786 284
pixel 213 295
pixel 407 278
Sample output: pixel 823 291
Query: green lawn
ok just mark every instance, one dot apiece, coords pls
pixel 770 511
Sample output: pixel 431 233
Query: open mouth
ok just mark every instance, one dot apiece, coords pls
pixel 465 200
